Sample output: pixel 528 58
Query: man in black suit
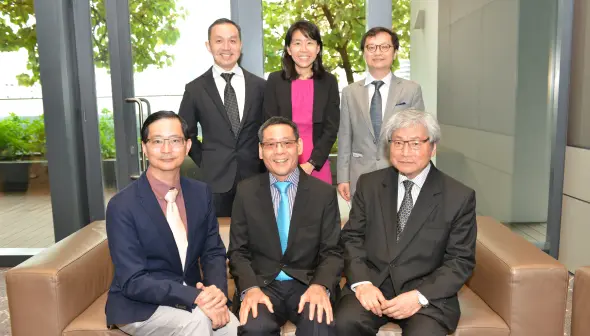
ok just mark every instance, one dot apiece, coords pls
pixel 409 245
pixel 283 251
pixel 227 102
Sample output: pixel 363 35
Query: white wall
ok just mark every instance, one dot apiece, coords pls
pixel 492 103
pixel 424 52
pixel 574 250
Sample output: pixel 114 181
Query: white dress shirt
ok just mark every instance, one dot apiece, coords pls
pixel 384 89
pixel 416 188
pixel 237 82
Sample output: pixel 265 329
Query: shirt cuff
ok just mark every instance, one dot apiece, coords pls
pixel 355 285
pixel 244 293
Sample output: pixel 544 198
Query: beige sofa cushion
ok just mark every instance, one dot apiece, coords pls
pixel 92 322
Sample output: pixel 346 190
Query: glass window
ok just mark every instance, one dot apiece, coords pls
pixel 25 203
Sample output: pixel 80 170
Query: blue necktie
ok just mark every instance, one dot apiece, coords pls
pixel 376 109
pixel 283 221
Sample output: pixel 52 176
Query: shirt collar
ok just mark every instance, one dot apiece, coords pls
pixel 293 178
pixel 161 188
pixel 387 80
pixel 418 180
pixel 217 70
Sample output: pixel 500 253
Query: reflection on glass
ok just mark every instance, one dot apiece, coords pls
pixel 25 202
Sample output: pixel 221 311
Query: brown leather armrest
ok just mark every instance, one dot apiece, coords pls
pixel 521 283
pixel 46 292
pixel 581 302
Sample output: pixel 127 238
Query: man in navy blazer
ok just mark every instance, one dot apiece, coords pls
pixel 162 230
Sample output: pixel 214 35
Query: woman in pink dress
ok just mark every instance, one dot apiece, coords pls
pixel 305 93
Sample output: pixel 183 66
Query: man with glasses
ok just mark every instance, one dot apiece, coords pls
pixel 162 231
pixel 283 250
pixel 409 245
pixel 368 104
pixel 226 101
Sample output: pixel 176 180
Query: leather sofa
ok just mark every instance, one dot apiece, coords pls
pixel 581 302
pixel 516 289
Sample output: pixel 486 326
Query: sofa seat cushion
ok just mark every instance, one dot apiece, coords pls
pixel 477 319
pixel 92 322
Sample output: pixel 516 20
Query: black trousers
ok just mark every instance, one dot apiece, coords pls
pixel 285 296
pixel 223 202
pixel 354 320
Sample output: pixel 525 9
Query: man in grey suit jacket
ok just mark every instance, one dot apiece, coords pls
pixel 361 148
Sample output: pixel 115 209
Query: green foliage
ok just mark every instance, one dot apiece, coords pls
pixel 342 23
pixel 334 149
pixel 153 25
pixel 21 137
pixel 106 129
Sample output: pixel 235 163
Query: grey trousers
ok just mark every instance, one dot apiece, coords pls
pixel 177 322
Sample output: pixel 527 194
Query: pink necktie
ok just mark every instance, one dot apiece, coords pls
pixel 176 225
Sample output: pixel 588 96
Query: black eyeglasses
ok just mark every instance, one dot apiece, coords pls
pixel 373 47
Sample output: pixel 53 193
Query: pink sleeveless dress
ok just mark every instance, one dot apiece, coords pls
pixel 302 106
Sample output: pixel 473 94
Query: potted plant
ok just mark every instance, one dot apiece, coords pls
pixel 20 140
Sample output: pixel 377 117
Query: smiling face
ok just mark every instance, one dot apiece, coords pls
pixel 225 45
pixel 407 160
pixel 379 60
pixel 280 150
pixel 303 50
pixel 166 146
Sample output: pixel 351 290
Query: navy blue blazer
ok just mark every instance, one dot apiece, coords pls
pixel 148 270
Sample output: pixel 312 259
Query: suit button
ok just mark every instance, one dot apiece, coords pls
pixel 266 282
pixel 283 265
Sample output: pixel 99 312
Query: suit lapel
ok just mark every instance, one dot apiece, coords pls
pixel 299 208
pixel 212 91
pixel 267 210
pixel 250 95
pixel 154 211
pixel 362 95
pixel 427 201
pixel 187 194
pixel 388 200
pixel 395 90
pixel 319 100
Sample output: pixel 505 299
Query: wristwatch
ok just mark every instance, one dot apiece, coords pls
pixel 422 300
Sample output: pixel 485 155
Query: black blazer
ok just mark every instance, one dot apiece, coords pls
pixel 436 252
pixel 221 155
pixel 148 270
pixel 326 110
pixel 313 255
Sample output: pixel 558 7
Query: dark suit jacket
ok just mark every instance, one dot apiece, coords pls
pixel 221 155
pixel 326 110
pixel 313 255
pixel 148 270
pixel 436 252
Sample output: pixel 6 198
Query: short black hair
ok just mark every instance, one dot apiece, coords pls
pixel 278 121
pixel 376 30
pixel 223 21
pixel 145 131
pixel 311 31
